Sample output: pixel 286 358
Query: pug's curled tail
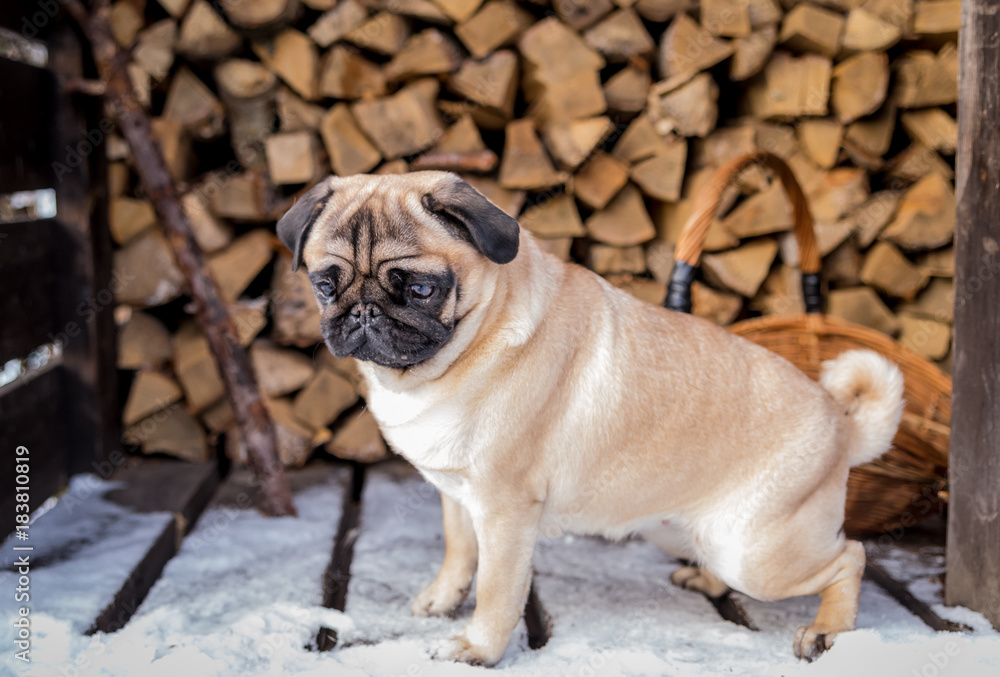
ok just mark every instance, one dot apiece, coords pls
pixel 869 388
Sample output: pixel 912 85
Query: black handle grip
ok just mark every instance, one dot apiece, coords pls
pixel 679 289
pixel 811 292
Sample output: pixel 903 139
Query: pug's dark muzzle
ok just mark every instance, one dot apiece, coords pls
pixel 367 332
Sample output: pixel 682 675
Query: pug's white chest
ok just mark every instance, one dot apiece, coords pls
pixel 431 436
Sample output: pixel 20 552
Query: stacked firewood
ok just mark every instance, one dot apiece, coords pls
pixel 594 121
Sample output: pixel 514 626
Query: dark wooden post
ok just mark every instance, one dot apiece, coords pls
pixel 974 509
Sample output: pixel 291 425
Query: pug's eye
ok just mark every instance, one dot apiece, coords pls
pixel 420 291
pixel 325 288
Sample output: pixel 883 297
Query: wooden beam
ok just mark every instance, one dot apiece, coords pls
pixel 974 470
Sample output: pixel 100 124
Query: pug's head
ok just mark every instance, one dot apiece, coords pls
pixel 395 261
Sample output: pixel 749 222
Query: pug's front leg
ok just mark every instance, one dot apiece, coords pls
pixel 506 536
pixel 452 583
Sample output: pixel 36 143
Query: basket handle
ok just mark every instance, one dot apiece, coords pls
pixel 688 251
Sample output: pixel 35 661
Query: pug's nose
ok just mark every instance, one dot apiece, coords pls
pixel 365 313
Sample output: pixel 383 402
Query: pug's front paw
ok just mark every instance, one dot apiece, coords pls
pixel 438 599
pixel 461 649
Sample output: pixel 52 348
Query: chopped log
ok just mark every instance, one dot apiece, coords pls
pixel 790 87
pixel 624 222
pixel 128 217
pixel 481 161
pixel 195 368
pixel 728 18
pixel 557 246
pixel 154 49
pixel 143 343
pixel 462 137
pixel 293 306
pixel 150 392
pixel 625 91
pixel 345 366
pixel 338 22
pixel 868 139
pixel 324 398
pixel 126 21
pixel 743 269
pixel 292 158
pixel 294 58
pixel 932 127
pixel 555 217
pixel 192 104
pixel 936 302
pixel 425 10
pixel 861 305
pixel 620 36
pixel 925 337
pixel 898 13
pixel 359 440
pixel 261 18
pixel 429 52
pixel 714 306
pixel 671 217
pixel 860 84
pixel 402 124
pixel 560 73
pixel 248 90
pixel 459 10
pixel 295 114
pixel 247 196
pixel 320 5
pixel 171 431
pixel 219 418
pixel 211 313
pixel 808 28
pixel 865 31
pixel 509 201
pixel 142 84
pixel 916 161
pixel 525 165
pixel 639 141
pixel 175 8
pixel 660 260
pixel 210 233
pixel 175 142
pixel 687 48
pixel 750 53
pixel 118 179
pixel 348 75
pixel 722 145
pixel 763 213
pixel 349 149
pixel 837 193
pixel 600 180
pixel 763 13
pixel 781 292
pixel 820 139
pixel 925 218
pixel 937 17
pixel 642 288
pixel 662 176
pixel 938 264
pixel 690 109
pixel 385 33
pixel 497 23
pixel 887 270
pixel 868 220
pixel 280 371
pixel 842 266
pixel 604 259
pixel 662 10
pixel 572 142
pixel 490 82
pixel 581 14
pixel 149 266
pixel 205 36
pixel 234 268
pixel 249 318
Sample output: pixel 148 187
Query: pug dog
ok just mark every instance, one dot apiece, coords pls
pixel 539 399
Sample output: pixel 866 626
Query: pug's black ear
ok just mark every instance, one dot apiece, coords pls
pixel 295 225
pixel 489 228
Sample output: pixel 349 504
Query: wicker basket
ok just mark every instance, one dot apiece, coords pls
pixel 907 483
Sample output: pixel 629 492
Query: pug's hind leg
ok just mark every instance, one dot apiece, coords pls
pixel 838 606
pixel 451 585
pixel 700 580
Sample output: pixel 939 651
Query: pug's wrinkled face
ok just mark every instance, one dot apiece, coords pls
pixel 386 256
